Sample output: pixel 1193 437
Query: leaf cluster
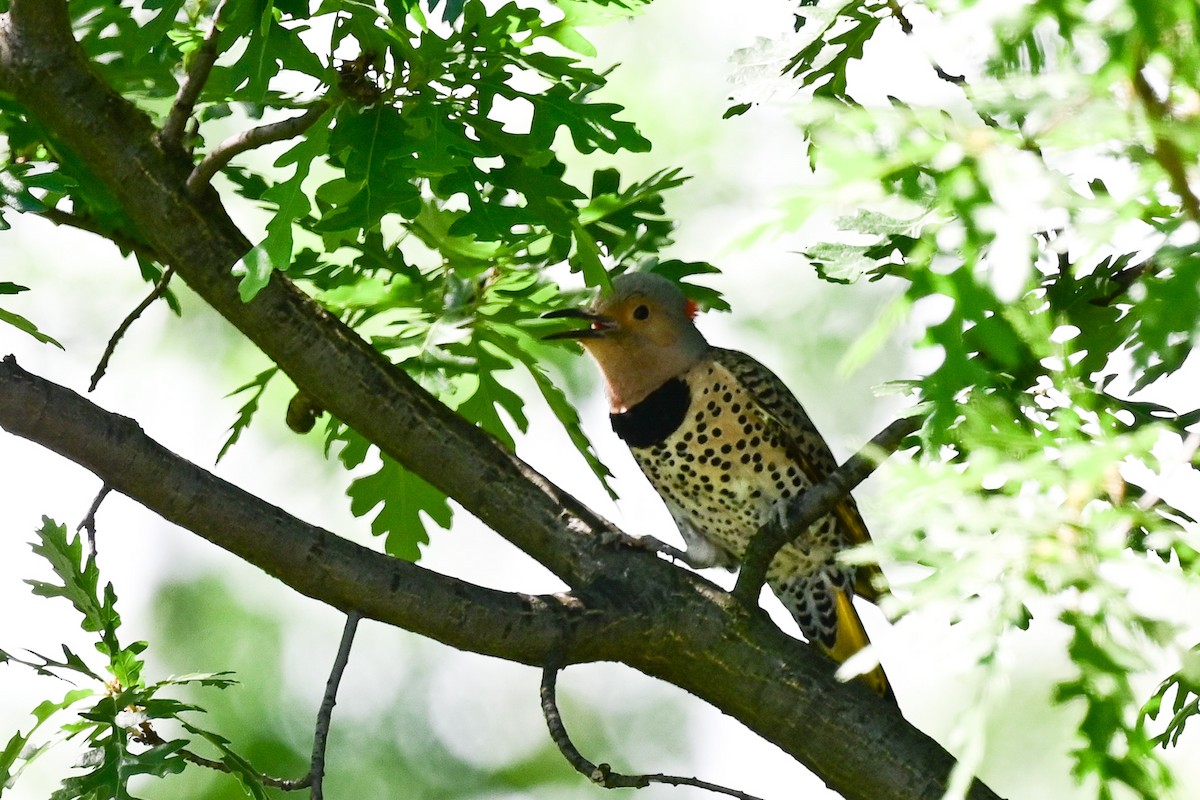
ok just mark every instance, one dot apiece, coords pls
pixel 117 718
pixel 426 206
pixel 1037 219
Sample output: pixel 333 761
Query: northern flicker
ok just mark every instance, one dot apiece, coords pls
pixel 726 445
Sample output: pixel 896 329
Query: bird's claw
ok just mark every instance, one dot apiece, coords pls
pixel 647 543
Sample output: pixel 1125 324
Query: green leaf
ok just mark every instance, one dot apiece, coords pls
pixel 80 583
pixel 291 203
pixel 518 346
pixel 239 767
pixel 401 497
pixel 823 63
pixel 247 411
pixel 18 747
pixel 591 125
pixel 24 325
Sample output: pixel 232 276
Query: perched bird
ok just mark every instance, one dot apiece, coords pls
pixel 726 445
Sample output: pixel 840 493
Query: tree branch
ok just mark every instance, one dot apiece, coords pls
pixel 316 771
pixel 313 561
pixel 625 606
pixel 193 82
pixel 736 660
pixel 814 503
pixel 1166 152
pixel 602 774
pixel 88 524
pixel 239 143
pixel 158 291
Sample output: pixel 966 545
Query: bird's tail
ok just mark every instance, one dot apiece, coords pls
pixel 852 637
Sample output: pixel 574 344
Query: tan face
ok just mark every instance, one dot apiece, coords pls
pixel 635 322
pixel 641 336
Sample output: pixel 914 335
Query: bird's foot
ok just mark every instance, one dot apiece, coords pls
pixel 647 543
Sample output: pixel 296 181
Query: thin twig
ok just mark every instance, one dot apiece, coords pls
pixel 316 771
pixel 239 143
pixel 155 293
pixel 899 15
pixel 602 774
pixel 813 504
pixel 147 735
pixel 316 774
pixel 88 524
pixel 125 242
pixel 960 81
pixel 1166 153
pixel 173 129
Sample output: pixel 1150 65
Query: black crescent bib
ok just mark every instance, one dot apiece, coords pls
pixel 655 418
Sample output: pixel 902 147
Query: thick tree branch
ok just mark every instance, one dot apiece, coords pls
pixel 741 663
pixel 311 560
pixel 807 508
pixel 626 605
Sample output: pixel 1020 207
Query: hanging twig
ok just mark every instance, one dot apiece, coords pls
pixel 193 82
pixel 316 771
pixel 155 293
pixel 239 143
pixel 813 504
pixel 88 524
pixel 602 774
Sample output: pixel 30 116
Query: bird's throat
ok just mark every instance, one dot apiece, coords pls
pixel 656 417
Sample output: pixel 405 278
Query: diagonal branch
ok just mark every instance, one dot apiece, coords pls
pixel 160 288
pixel 203 59
pixel 739 662
pixel 239 143
pixel 1165 152
pixel 815 503
pixel 313 561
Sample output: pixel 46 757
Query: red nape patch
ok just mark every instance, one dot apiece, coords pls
pixel 690 308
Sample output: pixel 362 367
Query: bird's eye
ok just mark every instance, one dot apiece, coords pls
pixel 641 312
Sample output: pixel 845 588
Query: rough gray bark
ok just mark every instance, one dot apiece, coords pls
pixel 623 602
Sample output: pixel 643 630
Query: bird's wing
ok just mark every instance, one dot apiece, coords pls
pixel 777 405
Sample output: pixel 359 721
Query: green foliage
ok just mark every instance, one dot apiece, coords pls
pixel 1186 686
pixel 424 206
pixel 1046 241
pixel 19 322
pixel 1025 532
pixel 117 721
pixel 256 386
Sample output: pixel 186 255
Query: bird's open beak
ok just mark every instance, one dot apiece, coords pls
pixel 600 324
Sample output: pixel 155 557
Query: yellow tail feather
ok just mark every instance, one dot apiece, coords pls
pixel 852 637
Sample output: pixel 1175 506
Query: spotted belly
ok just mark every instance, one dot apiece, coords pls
pixel 723 468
